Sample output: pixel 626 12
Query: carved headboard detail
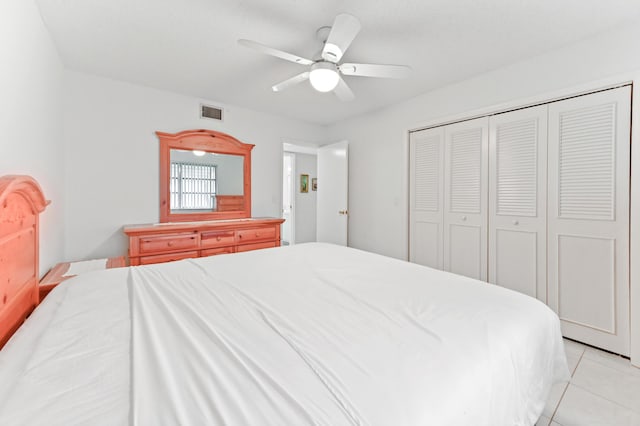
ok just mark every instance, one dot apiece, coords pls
pixel 21 202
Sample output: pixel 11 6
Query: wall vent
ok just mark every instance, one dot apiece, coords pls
pixel 212 112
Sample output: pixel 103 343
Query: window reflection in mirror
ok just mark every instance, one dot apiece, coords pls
pixel 205 181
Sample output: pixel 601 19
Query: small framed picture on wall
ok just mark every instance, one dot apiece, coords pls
pixel 304 183
pixel 314 184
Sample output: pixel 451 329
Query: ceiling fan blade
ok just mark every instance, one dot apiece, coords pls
pixel 343 92
pixel 344 30
pixel 290 82
pixel 373 70
pixel 274 52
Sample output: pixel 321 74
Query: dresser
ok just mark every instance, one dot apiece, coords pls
pixel 165 242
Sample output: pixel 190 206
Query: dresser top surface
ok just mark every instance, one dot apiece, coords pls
pixel 222 223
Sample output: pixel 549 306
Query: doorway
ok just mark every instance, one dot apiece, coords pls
pixel 315 184
pixel 288 198
pixel 299 194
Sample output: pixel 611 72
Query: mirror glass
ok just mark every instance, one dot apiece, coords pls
pixel 202 182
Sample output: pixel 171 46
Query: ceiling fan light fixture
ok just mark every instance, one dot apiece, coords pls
pixel 324 76
pixel 326 67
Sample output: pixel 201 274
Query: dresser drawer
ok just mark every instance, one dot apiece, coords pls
pixel 160 258
pixel 162 243
pixel 217 238
pixel 214 251
pixel 257 246
pixel 256 234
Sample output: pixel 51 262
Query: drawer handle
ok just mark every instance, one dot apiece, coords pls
pixel 218 238
pixel 257 234
pixel 515 222
pixel 170 243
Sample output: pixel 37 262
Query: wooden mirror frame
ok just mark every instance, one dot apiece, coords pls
pixel 204 140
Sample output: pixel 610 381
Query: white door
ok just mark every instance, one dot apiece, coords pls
pixel 426 197
pixel 589 144
pixel 465 216
pixel 333 181
pixel 518 201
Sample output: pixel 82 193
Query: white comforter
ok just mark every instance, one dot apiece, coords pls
pixel 311 334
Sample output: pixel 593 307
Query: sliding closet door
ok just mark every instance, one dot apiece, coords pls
pixel 465 191
pixel 426 197
pixel 589 144
pixel 518 201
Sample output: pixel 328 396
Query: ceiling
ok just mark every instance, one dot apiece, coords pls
pixel 189 46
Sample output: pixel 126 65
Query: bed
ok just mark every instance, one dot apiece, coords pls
pixel 308 334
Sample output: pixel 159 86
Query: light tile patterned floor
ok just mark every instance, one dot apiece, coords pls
pixel 604 390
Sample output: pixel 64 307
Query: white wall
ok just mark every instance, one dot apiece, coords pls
pixel 378 188
pixel 31 115
pixel 112 157
pixel 306 204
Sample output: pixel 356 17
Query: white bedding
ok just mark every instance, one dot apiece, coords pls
pixel 308 334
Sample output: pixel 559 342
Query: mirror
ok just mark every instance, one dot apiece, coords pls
pixel 205 182
pixel 204 175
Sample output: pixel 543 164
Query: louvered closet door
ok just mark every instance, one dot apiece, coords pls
pixel 518 201
pixel 465 216
pixel 589 143
pixel 426 197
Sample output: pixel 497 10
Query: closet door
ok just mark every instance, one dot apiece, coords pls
pixel 465 191
pixel 589 144
pixel 426 197
pixel 518 201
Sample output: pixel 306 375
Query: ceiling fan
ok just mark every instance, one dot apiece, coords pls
pixel 325 70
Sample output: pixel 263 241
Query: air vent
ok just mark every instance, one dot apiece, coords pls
pixel 214 113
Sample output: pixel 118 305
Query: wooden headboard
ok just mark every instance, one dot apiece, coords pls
pixel 21 201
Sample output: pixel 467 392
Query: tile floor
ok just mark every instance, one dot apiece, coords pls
pixel 604 390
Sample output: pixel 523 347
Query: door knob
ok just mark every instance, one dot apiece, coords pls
pixel 343 212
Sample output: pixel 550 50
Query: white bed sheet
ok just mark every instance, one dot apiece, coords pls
pixel 308 334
